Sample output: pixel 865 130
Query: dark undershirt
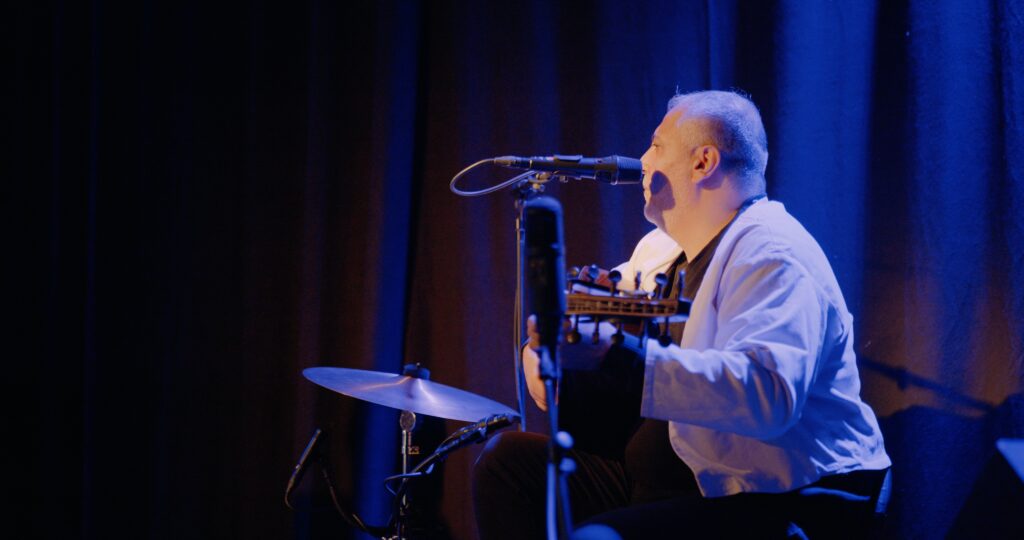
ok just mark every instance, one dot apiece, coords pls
pixel 654 469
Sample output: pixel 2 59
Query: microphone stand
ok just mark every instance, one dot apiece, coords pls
pixel 558 517
pixel 314 454
pixel 525 186
pixel 524 190
pixel 559 520
pixel 558 513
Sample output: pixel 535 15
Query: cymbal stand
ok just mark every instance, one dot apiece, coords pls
pixel 407 421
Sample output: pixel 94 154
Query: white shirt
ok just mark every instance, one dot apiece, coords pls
pixel 762 394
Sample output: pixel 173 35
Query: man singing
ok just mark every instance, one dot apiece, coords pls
pixel 750 423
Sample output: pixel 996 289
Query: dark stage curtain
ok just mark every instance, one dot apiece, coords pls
pixel 205 199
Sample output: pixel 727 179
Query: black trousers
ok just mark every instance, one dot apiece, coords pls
pixel 635 501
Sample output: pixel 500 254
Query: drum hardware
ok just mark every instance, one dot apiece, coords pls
pixel 413 393
pixel 406 393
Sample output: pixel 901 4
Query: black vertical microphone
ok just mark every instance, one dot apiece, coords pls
pixel 545 267
pixel 300 467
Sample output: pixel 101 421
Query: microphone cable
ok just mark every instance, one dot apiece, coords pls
pixel 540 179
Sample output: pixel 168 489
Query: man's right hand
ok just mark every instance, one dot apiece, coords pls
pixel 531 370
pixel 531 364
pixel 586 355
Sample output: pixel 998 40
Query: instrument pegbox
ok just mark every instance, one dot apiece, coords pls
pixel 604 299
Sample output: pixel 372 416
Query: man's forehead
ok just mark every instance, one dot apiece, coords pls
pixel 671 122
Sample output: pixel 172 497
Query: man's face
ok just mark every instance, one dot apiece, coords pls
pixel 666 171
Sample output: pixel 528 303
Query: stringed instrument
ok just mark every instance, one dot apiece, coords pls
pixel 594 295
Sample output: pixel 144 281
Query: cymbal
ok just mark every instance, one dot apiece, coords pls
pixel 406 393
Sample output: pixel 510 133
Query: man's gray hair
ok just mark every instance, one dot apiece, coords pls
pixel 733 124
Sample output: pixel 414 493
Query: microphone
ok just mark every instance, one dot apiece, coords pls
pixel 477 432
pixel 300 467
pixel 609 170
pixel 545 267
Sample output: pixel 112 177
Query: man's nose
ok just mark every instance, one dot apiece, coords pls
pixel 643 158
pixel 646 170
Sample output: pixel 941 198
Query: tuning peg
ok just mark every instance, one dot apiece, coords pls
pixel 574 272
pixel 682 283
pixel 618 337
pixel 593 272
pixel 573 336
pixel 615 277
pixel 665 339
pixel 661 280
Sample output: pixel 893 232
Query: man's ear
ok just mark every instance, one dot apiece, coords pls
pixel 706 161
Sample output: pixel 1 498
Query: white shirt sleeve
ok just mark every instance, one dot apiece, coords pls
pixel 770 323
